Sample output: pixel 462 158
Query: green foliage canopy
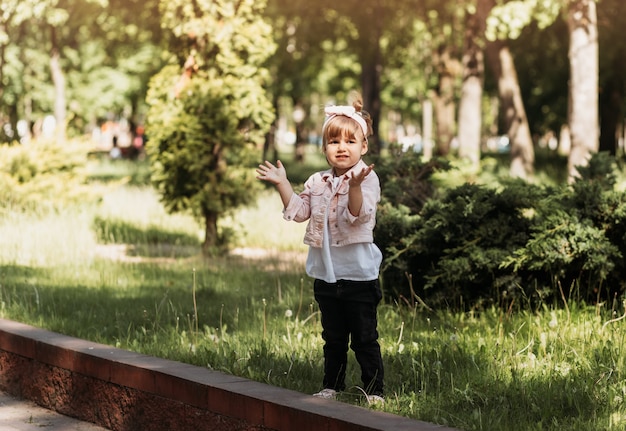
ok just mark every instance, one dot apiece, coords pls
pixel 205 124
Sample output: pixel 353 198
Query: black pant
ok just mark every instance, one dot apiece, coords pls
pixel 349 313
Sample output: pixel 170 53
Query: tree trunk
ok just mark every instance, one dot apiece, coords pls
pixel 269 145
pixel 300 144
pixel 371 96
pixel 58 79
pixel 610 116
pixel 446 68
pixel 470 106
pixel 371 69
pixel 210 232
pixel 583 100
pixel 512 112
pixel 4 30
pixel 299 117
pixel 427 129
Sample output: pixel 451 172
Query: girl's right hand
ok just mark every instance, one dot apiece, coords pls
pixel 272 174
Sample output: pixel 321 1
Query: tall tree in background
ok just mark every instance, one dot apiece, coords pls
pixel 583 56
pixel 132 48
pixel 371 27
pixel 470 106
pixel 54 59
pixel 368 28
pixel 23 53
pixel 512 110
pixel 501 28
pixel 445 22
pixel 299 32
pixel 612 76
pixel 207 119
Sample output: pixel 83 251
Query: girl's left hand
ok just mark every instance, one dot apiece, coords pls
pixel 357 179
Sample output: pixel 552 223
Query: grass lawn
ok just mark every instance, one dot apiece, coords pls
pixel 124 272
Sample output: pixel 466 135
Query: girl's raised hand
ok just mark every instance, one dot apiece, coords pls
pixel 270 173
pixel 357 179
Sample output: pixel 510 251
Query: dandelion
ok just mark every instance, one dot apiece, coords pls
pixel 288 314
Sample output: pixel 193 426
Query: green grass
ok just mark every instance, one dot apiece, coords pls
pixel 125 273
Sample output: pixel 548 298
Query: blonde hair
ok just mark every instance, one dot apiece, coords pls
pixel 344 126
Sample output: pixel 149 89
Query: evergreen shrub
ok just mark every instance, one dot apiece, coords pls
pixel 44 174
pixel 511 243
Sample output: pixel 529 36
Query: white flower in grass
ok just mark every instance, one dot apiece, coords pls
pixel 563 368
pixel 532 360
pixel 553 322
pixel 288 314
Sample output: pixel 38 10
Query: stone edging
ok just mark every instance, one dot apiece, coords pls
pixel 126 391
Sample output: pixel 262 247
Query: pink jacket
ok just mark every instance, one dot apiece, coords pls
pixel 345 228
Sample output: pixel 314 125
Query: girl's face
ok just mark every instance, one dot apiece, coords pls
pixel 344 150
pixel 344 143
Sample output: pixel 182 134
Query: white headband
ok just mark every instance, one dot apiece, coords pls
pixel 347 111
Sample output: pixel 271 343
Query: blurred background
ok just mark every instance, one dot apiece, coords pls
pixel 440 77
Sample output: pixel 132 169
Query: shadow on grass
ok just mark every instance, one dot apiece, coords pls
pixel 109 301
pixel 111 231
pixel 152 308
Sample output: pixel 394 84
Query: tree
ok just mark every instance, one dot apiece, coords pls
pixel 204 124
pixel 501 28
pixel 17 64
pixel 54 59
pixel 299 32
pixel 444 23
pixel 583 57
pixel 612 78
pixel 359 33
pixel 512 110
pixel 470 112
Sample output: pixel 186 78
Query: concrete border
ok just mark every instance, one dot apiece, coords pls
pixel 126 391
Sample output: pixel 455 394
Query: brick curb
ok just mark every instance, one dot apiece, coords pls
pixel 126 391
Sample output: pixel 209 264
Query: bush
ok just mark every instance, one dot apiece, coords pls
pixel 406 180
pixel 474 245
pixel 43 174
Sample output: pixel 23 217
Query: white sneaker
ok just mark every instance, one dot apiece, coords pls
pixel 375 400
pixel 329 394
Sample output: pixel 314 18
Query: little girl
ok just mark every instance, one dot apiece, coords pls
pixel 340 206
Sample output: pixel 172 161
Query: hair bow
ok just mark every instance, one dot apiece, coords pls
pixel 347 111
